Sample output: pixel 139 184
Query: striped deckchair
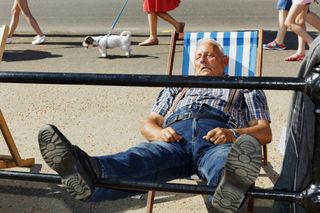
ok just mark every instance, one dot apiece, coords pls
pixel 240 47
pixel 244 49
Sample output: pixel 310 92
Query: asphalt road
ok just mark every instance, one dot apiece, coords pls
pixel 79 16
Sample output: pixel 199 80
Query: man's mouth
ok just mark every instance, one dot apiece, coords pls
pixel 202 68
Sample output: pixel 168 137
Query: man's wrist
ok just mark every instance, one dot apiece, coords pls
pixel 235 133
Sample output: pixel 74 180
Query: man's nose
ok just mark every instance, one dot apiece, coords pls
pixel 203 58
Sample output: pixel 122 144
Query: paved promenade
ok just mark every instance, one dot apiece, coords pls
pixel 105 119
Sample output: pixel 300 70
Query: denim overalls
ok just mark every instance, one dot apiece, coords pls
pixel 160 161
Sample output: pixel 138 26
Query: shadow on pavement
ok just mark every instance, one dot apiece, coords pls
pixel 45 197
pixel 27 55
pixel 125 57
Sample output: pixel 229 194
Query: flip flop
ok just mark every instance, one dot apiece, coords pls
pixel 295 57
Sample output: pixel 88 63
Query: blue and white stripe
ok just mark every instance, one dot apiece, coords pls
pixel 240 46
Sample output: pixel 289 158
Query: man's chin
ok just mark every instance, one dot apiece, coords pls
pixel 204 73
pixel 208 72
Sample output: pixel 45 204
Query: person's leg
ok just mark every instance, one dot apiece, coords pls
pixel 300 53
pixel 153 24
pixel 282 28
pixel 23 4
pixel 153 37
pixel 295 11
pixel 211 165
pixel 313 19
pixel 179 26
pixel 155 161
pixel 283 7
pixel 278 42
pixel 240 161
pixel 301 46
pixel 15 12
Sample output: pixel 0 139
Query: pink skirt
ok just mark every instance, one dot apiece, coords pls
pixel 302 2
pixel 160 5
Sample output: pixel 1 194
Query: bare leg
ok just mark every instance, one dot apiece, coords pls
pixel 301 21
pixel 301 46
pixel 168 18
pixel 313 19
pixel 300 53
pixel 153 23
pixel 290 22
pixel 23 4
pixel 153 37
pixel 15 12
pixel 282 28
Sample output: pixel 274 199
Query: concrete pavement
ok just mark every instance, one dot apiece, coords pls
pixel 104 120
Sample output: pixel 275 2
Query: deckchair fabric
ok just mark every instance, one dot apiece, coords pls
pixel 241 47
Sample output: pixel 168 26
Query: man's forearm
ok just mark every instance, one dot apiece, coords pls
pixel 150 130
pixel 261 131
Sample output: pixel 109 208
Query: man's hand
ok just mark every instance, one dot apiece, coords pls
pixel 152 130
pixel 169 135
pixel 259 129
pixel 219 136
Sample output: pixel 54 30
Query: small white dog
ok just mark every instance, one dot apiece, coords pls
pixel 109 42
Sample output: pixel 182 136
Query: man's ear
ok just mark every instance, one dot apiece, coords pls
pixel 225 60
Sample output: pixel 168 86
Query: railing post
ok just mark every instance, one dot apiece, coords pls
pixel 311 195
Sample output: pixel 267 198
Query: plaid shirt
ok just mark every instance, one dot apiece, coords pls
pixel 249 105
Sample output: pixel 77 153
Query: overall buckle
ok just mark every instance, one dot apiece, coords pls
pixel 232 124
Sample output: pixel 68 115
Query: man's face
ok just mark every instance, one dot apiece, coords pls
pixel 209 61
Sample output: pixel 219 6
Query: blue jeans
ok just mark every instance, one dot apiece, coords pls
pixel 160 161
pixel 284 5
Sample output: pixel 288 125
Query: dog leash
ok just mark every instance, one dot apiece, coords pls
pixel 115 21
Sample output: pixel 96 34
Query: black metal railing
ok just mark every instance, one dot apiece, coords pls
pixel 309 198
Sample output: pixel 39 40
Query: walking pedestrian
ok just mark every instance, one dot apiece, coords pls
pixel 22 6
pixel 160 8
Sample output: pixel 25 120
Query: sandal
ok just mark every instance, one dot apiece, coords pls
pixel 149 42
pixel 295 57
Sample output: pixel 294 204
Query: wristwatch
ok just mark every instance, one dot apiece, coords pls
pixel 235 133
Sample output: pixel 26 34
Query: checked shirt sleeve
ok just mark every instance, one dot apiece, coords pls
pixel 256 106
pixel 164 100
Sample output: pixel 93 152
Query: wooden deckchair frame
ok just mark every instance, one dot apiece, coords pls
pixel 13 160
pixel 3 39
pixel 258 72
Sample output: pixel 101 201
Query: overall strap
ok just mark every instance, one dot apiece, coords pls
pixel 177 99
pixel 232 99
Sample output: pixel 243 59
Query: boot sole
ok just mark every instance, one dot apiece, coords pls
pixel 241 171
pixel 56 150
